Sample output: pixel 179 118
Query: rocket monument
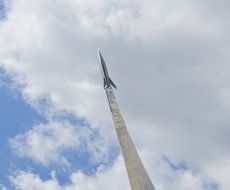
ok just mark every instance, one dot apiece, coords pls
pixel 138 177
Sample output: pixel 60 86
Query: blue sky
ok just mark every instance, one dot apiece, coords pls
pixel 2 9
pixel 17 116
pixel 170 61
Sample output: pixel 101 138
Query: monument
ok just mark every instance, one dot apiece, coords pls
pixel 138 177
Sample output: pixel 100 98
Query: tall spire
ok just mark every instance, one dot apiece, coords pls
pixel 138 177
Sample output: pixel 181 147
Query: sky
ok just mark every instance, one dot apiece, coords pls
pixel 170 62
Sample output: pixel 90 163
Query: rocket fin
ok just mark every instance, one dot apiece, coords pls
pixel 111 82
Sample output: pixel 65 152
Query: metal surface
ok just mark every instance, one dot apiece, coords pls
pixel 138 177
pixel 104 72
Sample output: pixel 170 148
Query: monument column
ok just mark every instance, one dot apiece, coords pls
pixel 138 177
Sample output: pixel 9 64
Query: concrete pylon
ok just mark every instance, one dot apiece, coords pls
pixel 138 177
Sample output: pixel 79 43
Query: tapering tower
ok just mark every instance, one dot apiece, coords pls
pixel 138 177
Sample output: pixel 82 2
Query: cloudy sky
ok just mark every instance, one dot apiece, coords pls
pixel 170 62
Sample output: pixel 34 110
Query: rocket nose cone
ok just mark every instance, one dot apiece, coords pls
pixel 99 53
pixel 101 59
pixel 101 63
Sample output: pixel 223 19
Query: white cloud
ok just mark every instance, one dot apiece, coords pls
pixel 45 143
pixel 113 178
pixel 2 187
pixel 169 60
pixel 28 180
pixel 103 180
pixel 219 171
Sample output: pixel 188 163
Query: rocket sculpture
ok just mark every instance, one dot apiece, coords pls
pixel 138 177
